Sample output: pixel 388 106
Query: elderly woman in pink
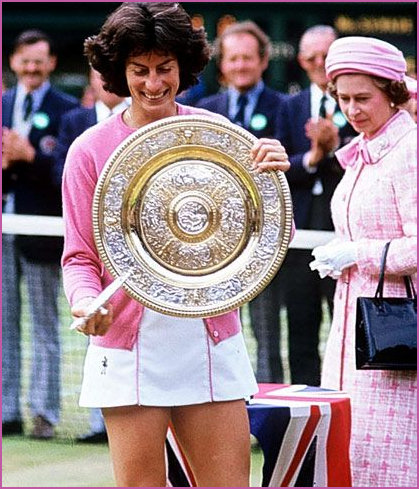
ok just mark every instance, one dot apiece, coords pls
pixel 375 202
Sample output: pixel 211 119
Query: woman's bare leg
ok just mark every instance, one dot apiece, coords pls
pixel 137 437
pixel 215 438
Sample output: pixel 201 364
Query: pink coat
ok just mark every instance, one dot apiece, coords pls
pixel 375 202
pixel 84 274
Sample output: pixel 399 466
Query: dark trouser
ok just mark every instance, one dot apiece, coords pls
pixel 264 316
pixel 302 292
pixel 42 281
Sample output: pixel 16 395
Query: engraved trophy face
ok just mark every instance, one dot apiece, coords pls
pixel 179 206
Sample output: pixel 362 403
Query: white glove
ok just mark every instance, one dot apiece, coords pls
pixel 324 269
pixel 334 257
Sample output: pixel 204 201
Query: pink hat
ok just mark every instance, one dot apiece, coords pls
pixel 370 56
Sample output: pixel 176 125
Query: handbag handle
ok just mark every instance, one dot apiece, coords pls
pixel 410 289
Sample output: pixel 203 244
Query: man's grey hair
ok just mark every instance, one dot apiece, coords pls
pixel 321 30
pixel 244 27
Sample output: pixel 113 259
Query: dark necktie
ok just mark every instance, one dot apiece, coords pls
pixel 241 104
pixel 322 110
pixel 27 106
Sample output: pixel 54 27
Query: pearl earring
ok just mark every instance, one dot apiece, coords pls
pixel 392 104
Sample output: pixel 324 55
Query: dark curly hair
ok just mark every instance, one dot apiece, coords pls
pixel 396 91
pixel 134 29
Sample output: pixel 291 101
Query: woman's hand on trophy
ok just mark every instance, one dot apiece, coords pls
pixel 269 154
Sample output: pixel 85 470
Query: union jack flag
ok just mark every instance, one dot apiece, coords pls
pixel 304 433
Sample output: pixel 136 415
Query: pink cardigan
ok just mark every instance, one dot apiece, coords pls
pixel 84 274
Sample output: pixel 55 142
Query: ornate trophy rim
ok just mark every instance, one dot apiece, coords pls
pixel 179 206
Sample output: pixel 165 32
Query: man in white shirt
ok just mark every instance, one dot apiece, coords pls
pixel 78 120
pixel 31 112
pixel 242 53
pixel 312 127
pixel 72 125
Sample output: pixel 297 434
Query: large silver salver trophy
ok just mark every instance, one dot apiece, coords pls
pixel 180 214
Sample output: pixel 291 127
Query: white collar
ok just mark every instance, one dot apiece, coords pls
pixel 103 111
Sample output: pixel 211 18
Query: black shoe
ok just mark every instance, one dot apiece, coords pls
pixel 42 429
pixel 100 437
pixel 12 428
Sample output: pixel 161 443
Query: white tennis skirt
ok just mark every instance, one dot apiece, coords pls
pixel 174 363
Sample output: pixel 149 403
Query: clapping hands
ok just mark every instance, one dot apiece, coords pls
pixel 324 138
pixel 15 148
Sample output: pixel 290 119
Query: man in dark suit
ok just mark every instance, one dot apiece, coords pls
pixel 312 128
pixel 31 115
pixel 76 121
pixel 243 51
pixel 72 125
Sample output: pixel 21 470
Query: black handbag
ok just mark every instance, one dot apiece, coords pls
pixel 386 328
